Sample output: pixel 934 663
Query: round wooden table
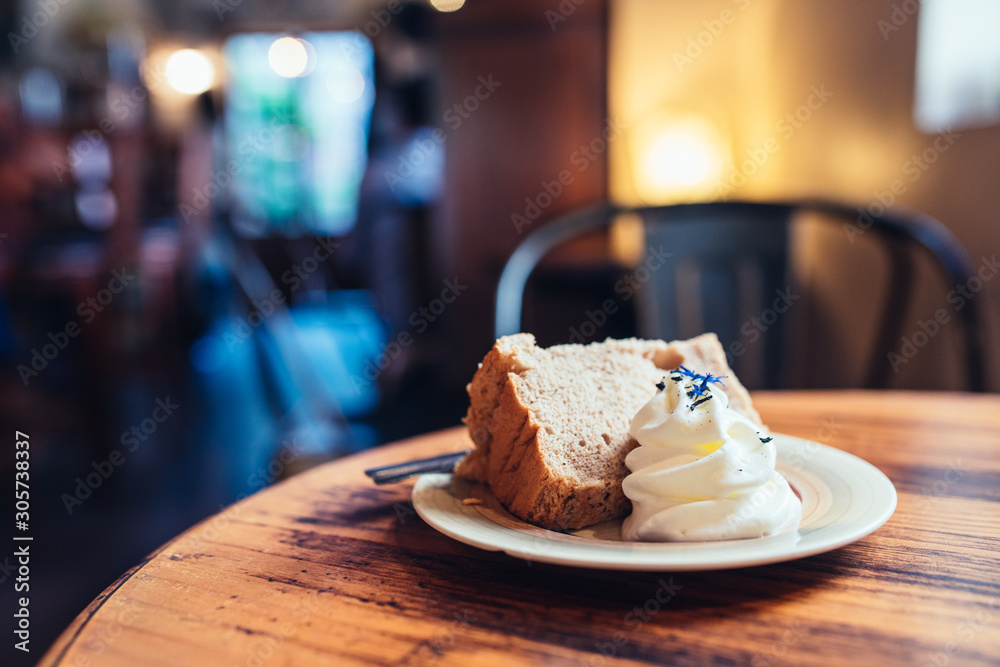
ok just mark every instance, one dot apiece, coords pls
pixel 327 568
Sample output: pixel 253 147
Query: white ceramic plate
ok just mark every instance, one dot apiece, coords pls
pixel 843 499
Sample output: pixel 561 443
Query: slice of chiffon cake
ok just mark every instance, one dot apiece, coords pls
pixel 550 425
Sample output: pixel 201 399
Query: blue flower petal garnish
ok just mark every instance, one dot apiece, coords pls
pixel 700 386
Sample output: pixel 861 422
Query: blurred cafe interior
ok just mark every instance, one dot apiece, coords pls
pixel 241 237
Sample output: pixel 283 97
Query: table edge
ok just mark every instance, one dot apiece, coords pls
pixel 66 640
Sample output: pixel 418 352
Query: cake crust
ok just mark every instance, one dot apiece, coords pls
pixel 550 426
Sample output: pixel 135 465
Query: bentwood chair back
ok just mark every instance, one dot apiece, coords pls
pixel 723 260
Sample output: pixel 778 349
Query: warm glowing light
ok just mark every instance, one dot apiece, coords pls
pixel 289 57
pixel 676 158
pixel 627 239
pixel 447 5
pixel 680 160
pixel 346 84
pixel 189 71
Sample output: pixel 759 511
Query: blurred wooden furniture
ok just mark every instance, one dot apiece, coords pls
pixel 535 147
pixel 327 568
pixel 738 257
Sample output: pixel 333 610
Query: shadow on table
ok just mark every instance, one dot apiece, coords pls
pixel 599 610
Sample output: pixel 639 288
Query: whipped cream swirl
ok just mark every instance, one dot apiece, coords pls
pixel 702 471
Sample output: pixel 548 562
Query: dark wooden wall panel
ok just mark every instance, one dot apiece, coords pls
pixel 552 99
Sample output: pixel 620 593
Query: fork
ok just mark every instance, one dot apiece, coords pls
pixel 400 471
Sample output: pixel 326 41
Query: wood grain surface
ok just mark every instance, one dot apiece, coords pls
pixel 327 568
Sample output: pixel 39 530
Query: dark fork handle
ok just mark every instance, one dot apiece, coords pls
pixel 400 471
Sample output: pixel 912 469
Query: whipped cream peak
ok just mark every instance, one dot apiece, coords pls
pixel 702 471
